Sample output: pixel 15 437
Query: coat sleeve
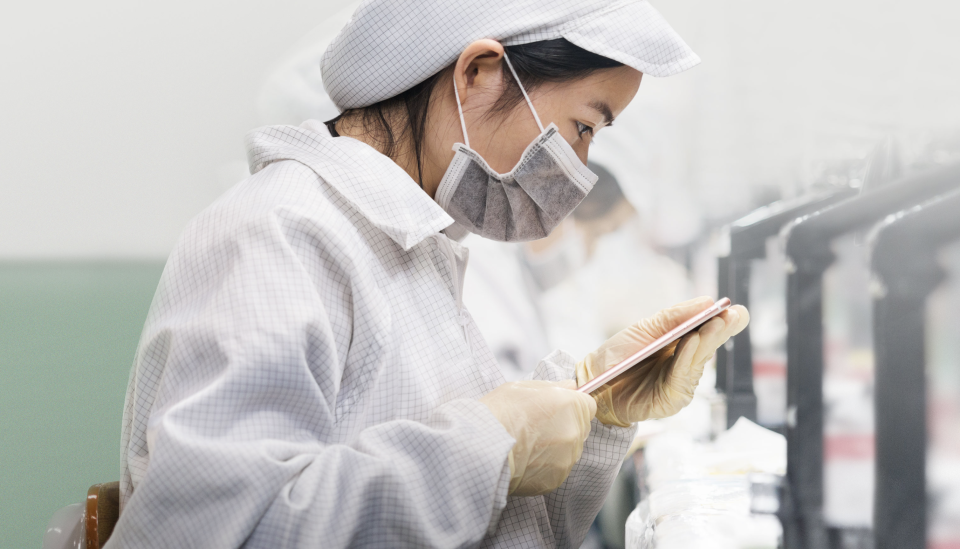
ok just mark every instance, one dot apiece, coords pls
pixel 573 507
pixel 236 385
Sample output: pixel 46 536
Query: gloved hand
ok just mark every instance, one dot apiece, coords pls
pixel 550 422
pixel 661 385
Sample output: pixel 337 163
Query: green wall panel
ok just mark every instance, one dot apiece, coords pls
pixel 68 333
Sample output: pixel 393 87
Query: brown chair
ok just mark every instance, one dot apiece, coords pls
pixel 87 524
pixel 102 512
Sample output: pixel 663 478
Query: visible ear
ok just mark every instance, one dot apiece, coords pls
pixel 478 67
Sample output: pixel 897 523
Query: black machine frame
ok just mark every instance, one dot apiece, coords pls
pixel 904 260
pixel 748 237
pixel 809 253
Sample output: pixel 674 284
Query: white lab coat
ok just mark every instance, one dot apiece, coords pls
pixel 307 375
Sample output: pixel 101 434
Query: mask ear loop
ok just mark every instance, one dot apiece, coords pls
pixel 456 93
pixel 463 125
pixel 523 91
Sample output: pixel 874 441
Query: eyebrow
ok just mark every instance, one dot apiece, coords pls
pixel 603 109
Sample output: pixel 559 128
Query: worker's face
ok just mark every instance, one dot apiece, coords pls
pixel 580 108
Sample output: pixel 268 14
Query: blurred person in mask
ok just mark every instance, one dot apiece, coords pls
pixel 506 282
pixel 574 288
pixel 554 292
pixel 622 271
pixel 307 373
pixel 511 289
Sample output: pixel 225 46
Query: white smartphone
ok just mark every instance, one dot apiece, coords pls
pixel 688 326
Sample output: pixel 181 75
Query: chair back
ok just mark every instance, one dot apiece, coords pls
pixel 102 512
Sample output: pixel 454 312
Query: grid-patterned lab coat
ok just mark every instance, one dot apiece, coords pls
pixel 307 375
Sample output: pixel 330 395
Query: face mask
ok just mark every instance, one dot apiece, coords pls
pixel 525 203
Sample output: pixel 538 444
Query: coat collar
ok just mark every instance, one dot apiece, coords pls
pixel 372 183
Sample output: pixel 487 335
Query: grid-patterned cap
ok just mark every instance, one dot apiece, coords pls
pixel 389 46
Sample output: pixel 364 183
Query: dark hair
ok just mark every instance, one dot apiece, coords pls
pixel 536 63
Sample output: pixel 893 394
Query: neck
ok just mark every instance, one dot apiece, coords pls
pixel 402 153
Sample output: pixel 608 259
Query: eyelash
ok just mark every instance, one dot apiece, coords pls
pixel 583 128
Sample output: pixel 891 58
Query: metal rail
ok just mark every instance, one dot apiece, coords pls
pixel 904 261
pixel 748 238
pixel 809 253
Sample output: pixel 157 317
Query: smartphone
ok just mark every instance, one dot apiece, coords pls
pixel 688 326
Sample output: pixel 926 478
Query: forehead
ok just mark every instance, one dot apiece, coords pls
pixel 612 87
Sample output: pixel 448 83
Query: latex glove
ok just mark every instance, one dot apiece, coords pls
pixel 550 422
pixel 661 385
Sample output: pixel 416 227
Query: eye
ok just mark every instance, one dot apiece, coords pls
pixel 583 128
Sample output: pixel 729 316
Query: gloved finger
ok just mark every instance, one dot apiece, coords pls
pixel 732 322
pixel 646 373
pixel 684 356
pixel 586 402
pixel 676 390
pixel 670 318
pixel 580 412
pixel 712 335
pixel 712 329
pixel 737 318
pixel 740 321
pixel 567 384
pixel 588 406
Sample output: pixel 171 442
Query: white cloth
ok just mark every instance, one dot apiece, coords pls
pixel 389 46
pixel 307 376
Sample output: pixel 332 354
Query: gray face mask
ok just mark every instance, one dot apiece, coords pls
pixel 525 203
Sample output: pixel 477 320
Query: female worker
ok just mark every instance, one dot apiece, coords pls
pixel 307 375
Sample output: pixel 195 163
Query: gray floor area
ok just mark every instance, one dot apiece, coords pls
pixel 68 332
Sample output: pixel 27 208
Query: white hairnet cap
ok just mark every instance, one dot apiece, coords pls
pixel 389 46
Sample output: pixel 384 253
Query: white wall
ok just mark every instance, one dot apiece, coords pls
pixel 785 89
pixel 118 120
